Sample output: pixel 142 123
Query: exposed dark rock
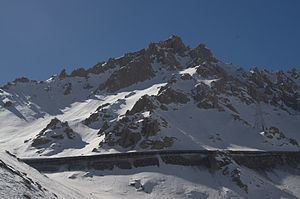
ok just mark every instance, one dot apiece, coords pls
pixel 205 97
pixel 128 138
pixel 201 53
pixel 80 72
pixel 282 91
pixel 8 104
pixel 165 52
pixel 228 167
pixel 273 133
pixel 186 76
pixel 69 132
pixel 235 175
pixel 294 73
pixel 209 70
pixel 168 95
pixel 38 141
pixel 21 80
pixel 130 130
pixel 53 123
pixel 101 116
pixel 150 127
pixel 122 136
pixel 104 127
pixel 63 74
pixel 94 117
pixel 68 88
pixel 136 71
pixel 113 63
pixel 25 180
pixel 175 43
pixel 164 143
pixel 237 117
pixel 103 106
pixel 143 104
pixel 53 131
pixel 99 68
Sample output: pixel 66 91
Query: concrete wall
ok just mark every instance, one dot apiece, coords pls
pixel 254 160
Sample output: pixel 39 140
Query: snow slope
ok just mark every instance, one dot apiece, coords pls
pixel 18 180
pixel 184 182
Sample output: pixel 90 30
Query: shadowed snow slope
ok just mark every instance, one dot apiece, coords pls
pixel 18 180
pixel 183 182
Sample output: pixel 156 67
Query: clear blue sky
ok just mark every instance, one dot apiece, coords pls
pixel 39 38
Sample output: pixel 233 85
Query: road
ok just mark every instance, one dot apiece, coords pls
pixel 128 160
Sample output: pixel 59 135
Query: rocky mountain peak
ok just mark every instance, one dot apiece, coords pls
pixel 152 99
pixel 174 42
pixel 202 53
pixel 63 74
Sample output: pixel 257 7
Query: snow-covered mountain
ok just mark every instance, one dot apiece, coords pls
pixel 166 96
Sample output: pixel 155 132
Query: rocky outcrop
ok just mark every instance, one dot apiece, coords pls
pixel 55 137
pixel 276 137
pixel 167 95
pixel 211 70
pixel 137 67
pixel 21 80
pixel 80 72
pixel 150 127
pixel 167 52
pixel 202 54
pixel 223 162
pixel 101 117
pixel 145 103
pixel 46 136
pixel 128 138
pixel 158 144
pixel 186 77
pixel 134 131
pixel 63 74
pixel 123 134
pixel 175 44
pixel 113 63
pixel 205 97
pixel 67 88
pixel 8 104
pixel 136 71
pixel 284 91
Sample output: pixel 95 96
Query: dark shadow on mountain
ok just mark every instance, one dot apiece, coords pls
pixel 13 110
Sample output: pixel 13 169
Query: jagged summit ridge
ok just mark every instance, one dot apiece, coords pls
pixel 165 96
